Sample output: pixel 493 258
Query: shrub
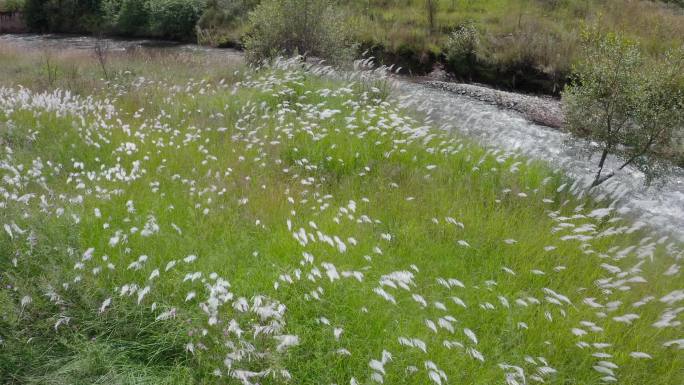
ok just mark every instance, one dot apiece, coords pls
pixel 677 2
pixel 225 13
pixel 126 17
pixel 291 27
pixel 628 105
pixel 223 21
pixel 174 19
pixel 461 49
pixel 11 5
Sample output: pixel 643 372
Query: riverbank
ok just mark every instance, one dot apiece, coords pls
pixel 546 111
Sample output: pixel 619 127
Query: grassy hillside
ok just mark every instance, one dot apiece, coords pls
pixel 533 40
pixel 193 221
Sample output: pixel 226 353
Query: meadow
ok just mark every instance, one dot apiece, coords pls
pixel 178 219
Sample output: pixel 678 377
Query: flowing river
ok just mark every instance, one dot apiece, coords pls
pixel 660 205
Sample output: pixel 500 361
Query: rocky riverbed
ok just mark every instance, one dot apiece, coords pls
pixel 546 111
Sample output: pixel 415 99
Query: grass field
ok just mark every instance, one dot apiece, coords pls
pixel 194 221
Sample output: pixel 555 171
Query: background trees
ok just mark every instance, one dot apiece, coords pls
pixel 171 19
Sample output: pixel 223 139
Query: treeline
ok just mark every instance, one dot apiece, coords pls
pixel 171 19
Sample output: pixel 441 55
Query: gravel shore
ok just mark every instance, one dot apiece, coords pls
pixel 542 110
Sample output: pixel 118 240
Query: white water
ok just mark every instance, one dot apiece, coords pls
pixel 660 205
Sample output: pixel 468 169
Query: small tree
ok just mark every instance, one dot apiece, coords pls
pixel 628 105
pixel 659 113
pixel 101 51
pixel 461 49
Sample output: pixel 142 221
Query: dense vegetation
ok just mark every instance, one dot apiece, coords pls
pixel 171 19
pixel 295 27
pixel 11 5
pixel 521 44
pixel 193 221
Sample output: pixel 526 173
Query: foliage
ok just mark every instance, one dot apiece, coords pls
pixel 461 49
pixel 173 19
pixel 223 22
pixel 62 15
pixel 224 13
pixel 676 2
pixel 11 5
pixel 538 38
pixel 527 45
pixel 296 27
pixel 35 16
pixel 126 17
pixel 659 114
pixel 626 103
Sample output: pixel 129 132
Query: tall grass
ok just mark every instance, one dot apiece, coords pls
pixel 191 221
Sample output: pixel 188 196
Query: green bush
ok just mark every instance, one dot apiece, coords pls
pixel 291 27
pixel 11 5
pixel 461 49
pixel 225 13
pixel 173 19
pixel 62 15
pixel 126 17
